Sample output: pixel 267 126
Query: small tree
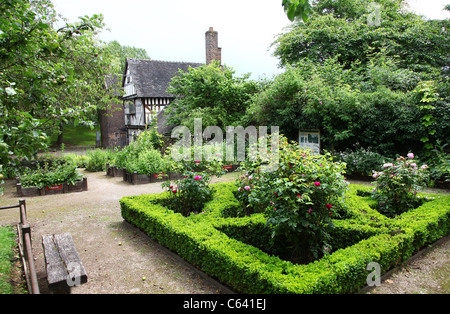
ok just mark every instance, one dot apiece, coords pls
pixel 210 92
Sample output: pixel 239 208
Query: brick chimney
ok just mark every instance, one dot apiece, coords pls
pixel 213 52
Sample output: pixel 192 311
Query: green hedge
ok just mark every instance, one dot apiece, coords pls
pixel 219 244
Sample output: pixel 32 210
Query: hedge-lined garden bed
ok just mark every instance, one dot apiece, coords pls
pixel 235 252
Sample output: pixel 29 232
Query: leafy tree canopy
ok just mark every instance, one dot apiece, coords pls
pixel 381 105
pixel 211 92
pixel 353 29
pixel 118 55
pixel 47 73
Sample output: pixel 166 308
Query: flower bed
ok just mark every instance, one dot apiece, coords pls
pixel 234 250
pixel 51 179
pixel 78 186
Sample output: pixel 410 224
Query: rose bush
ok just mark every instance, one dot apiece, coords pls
pixel 192 191
pixel 299 199
pixel 397 184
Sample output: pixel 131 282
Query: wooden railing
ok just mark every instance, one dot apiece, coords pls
pixel 24 239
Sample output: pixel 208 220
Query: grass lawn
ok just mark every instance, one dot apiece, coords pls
pixel 7 242
pixel 80 135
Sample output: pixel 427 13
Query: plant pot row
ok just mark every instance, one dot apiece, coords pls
pixel 135 178
pixel 79 186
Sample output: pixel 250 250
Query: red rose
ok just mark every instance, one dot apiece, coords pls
pixel 317 183
pixel 329 206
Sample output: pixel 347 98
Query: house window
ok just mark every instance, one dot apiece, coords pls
pixel 129 79
pixel 310 139
pixel 130 107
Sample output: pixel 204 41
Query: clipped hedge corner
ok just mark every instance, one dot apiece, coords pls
pixel 232 250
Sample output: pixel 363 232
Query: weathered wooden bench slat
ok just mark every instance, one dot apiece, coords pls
pixel 63 263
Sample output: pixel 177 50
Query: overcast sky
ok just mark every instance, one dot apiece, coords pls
pixel 175 30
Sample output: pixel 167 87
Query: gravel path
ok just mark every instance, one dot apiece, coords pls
pixel 120 259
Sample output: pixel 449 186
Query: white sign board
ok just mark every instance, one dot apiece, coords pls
pixel 310 139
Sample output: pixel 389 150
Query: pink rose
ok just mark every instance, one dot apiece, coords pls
pixel 317 183
pixel 198 178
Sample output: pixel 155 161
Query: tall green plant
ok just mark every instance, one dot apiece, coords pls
pixel 96 160
pixel 299 199
pixel 427 92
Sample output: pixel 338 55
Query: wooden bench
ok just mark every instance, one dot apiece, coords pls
pixel 62 263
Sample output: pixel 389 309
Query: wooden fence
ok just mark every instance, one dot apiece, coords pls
pixel 24 239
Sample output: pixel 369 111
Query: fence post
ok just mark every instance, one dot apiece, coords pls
pixel 85 184
pixel 23 211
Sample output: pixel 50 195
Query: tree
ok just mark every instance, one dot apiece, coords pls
pixel 297 9
pixel 118 55
pixel 210 92
pixel 46 74
pixel 354 29
pixel 379 105
pixel 375 96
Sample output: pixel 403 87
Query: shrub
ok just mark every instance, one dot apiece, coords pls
pixel 440 165
pixel 142 155
pixel 396 186
pixel 299 198
pixel 98 158
pixel 190 194
pixel 361 161
pixel 146 162
pixel 192 191
pixel 80 160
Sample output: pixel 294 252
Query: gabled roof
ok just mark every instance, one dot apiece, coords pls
pixel 151 78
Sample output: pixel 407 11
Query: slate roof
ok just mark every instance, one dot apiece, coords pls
pixel 151 78
pixel 113 81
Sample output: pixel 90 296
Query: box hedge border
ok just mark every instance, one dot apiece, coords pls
pixel 212 243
